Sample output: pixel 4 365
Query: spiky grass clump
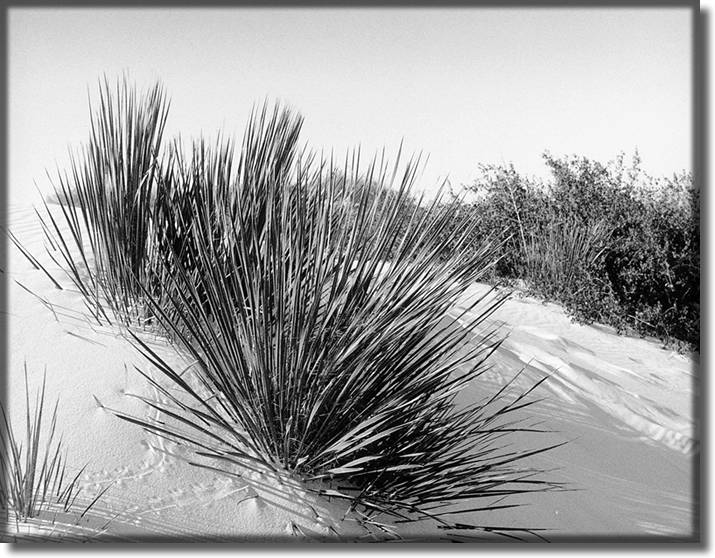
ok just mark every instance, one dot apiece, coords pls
pixel 103 236
pixel 313 303
pixel 559 259
pixel 33 479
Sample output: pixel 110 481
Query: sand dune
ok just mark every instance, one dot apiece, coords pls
pixel 625 406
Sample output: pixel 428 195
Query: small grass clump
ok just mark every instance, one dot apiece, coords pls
pixel 33 476
pixel 312 299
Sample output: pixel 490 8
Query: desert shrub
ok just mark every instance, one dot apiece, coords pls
pixel 652 260
pixel 609 242
pixel 313 302
pixel 510 208
pixel 655 265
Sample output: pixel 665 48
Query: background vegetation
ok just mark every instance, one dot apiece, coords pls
pixel 610 243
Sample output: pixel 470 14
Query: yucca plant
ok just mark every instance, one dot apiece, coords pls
pixel 313 301
pixel 33 476
pixel 321 345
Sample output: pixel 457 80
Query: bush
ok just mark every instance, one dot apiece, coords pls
pixel 609 242
pixel 655 267
pixel 507 207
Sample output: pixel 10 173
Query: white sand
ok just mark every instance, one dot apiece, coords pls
pixel 624 404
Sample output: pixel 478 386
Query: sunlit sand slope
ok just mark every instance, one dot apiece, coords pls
pixel 626 408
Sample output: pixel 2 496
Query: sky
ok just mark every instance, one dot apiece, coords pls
pixel 463 86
